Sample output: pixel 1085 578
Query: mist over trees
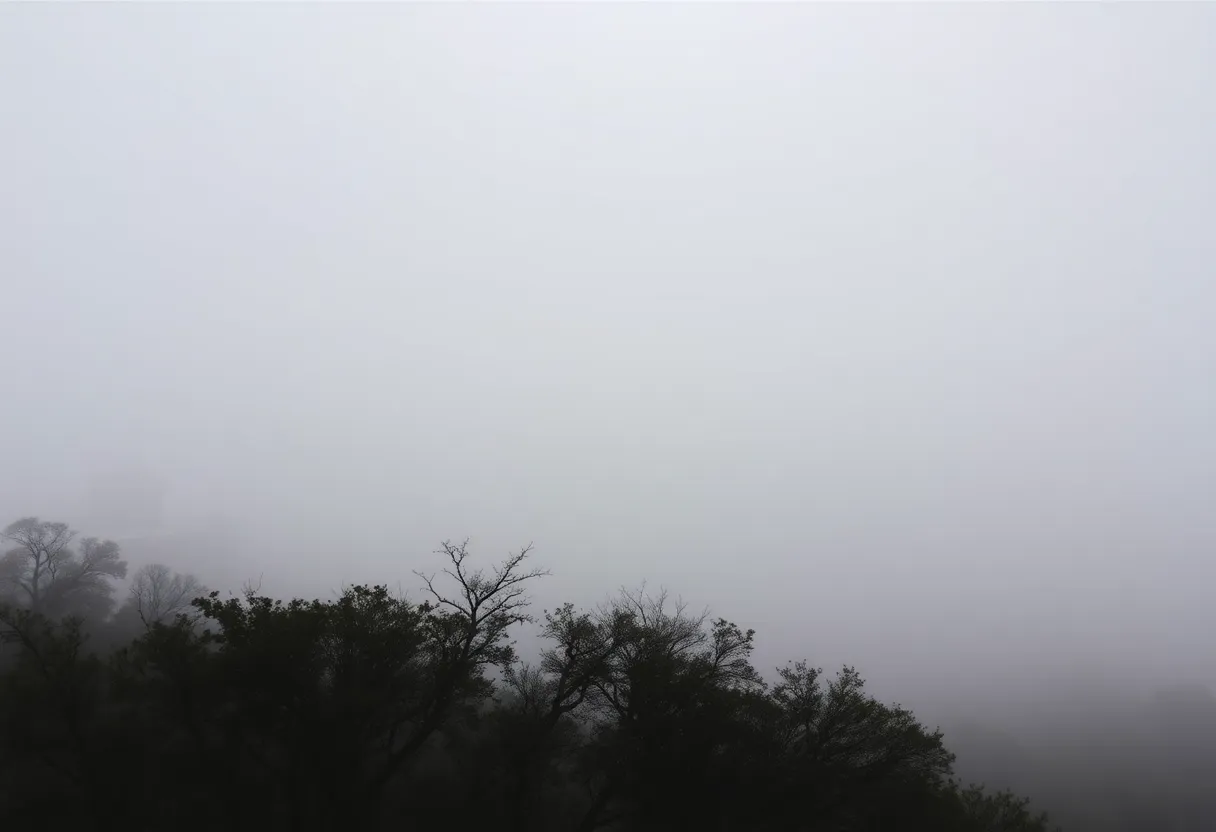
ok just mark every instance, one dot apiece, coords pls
pixel 885 333
pixel 175 706
pixel 181 708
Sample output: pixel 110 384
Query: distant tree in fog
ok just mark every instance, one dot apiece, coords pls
pixel 44 573
pixel 158 594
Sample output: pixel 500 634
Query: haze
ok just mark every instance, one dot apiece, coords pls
pixel 887 331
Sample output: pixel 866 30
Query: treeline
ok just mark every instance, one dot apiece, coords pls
pixel 179 709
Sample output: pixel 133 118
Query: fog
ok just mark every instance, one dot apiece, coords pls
pixel 884 330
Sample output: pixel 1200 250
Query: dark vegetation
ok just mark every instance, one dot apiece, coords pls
pixel 181 709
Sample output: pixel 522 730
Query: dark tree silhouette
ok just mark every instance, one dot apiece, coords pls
pixel 371 712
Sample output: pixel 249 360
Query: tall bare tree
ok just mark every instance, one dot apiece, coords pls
pixel 158 594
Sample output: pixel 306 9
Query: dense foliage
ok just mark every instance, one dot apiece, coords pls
pixel 370 711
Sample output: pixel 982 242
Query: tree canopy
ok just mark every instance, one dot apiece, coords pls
pixel 370 711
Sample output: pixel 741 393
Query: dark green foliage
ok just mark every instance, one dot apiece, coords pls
pixel 371 712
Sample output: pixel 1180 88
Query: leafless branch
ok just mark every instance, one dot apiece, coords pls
pixel 159 595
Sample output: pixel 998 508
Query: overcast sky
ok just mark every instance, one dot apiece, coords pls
pixel 889 331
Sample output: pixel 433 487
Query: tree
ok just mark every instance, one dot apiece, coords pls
pixel 49 701
pixel 842 726
pixel 663 693
pixel 468 628
pixel 43 573
pixel 158 594
pixel 325 702
pixel 547 696
pixel 1000 811
pixel 852 759
pixel 370 711
pixel 41 552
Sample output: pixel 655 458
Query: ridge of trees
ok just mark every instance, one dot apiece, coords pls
pixel 370 711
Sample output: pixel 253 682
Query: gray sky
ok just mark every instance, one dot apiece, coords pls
pixel 886 330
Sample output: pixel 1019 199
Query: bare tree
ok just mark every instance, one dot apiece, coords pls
pixel 469 627
pixel 44 573
pixel 158 594
pixel 40 553
pixel 485 604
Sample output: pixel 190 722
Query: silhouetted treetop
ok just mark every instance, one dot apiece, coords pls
pixel 370 711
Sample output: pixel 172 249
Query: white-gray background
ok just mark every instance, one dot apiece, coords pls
pixel 887 330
